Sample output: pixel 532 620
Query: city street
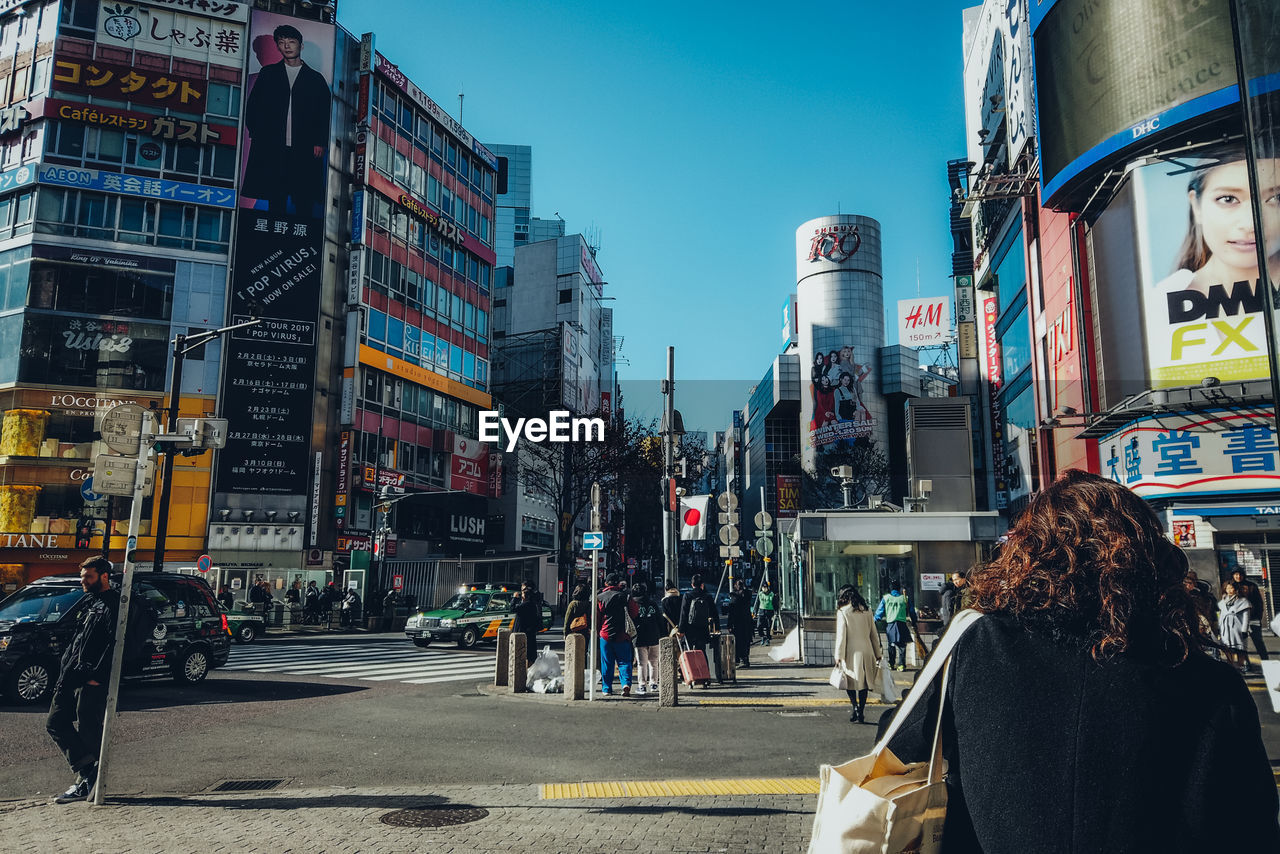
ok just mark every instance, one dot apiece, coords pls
pixel 363 725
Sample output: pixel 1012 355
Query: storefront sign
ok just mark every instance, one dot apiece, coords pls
pixel 341 478
pixel 788 496
pixel 446 229
pixel 966 309
pixel 160 127
pixel 469 466
pixel 15 178
pixel 422 376
pixel 129 83
pixel 36 541
pixel 167 32
pixel 12 118
pixel 834 243
pixel 357 217
pixel 990 312
pixel 226 11
pixel 1239 454
pixel 131 185
pixel 383 477
pixel 359 543
pixel 924 322
pixel 431 108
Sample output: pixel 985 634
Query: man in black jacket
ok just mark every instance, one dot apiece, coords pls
pixel 287 116
pixel 528 618
pixel 80 697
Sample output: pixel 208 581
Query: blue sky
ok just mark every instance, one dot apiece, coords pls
pixel 695 139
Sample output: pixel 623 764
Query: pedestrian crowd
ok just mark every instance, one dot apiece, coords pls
pixel 632 618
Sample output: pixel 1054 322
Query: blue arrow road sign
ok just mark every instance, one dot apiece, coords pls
pixel 593 541
pixel 86 491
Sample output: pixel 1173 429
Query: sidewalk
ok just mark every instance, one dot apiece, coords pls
pixel 506 818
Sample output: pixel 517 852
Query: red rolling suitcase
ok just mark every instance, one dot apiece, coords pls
pixel 693 664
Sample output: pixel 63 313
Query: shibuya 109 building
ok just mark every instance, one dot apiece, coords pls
pixel 840 331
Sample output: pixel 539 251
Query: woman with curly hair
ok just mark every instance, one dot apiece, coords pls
pixel 1082 713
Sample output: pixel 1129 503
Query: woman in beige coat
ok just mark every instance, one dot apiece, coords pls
pixel 857 648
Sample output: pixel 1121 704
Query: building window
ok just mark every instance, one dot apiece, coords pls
pixel 566 295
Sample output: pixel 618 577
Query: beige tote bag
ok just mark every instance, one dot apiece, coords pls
pixel 876 804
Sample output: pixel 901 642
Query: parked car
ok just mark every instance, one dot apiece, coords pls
pixel 186 632
pixel 473 615
pixel 246 625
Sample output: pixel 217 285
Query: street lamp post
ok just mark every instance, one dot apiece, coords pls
pixel 182 345
pixel 671 431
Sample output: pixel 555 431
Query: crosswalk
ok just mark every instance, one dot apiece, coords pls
pixel 370 661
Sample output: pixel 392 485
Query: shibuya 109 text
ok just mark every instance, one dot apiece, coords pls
pixel 558 426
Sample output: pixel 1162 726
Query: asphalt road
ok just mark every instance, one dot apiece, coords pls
pixel 358 710
pixel 346 730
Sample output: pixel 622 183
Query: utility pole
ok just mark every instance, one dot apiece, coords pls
pixel 669 529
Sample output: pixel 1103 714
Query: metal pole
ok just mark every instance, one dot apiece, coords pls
pixel 106 537
pixel 166 477
pixel 595 584
pixel 669 529
pixel 122 618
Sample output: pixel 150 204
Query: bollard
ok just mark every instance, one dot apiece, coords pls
pixel 668 672
pixel 575 664
pixel 728 665
pixel 504 655
pixel 519 668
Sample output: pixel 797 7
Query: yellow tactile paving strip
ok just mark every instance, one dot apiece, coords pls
pixel 681 788
pixel 765 701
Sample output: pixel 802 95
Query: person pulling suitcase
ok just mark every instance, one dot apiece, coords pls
pixel 699 618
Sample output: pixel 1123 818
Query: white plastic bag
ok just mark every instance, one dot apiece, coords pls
pixel 888 689
pixel 1275 625
pixel 545 666
pixel 789 649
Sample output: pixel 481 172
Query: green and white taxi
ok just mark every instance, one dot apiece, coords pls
pixel 473 615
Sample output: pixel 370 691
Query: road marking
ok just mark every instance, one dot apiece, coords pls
pixel 373 662
pixel 681 788
pixel 764 701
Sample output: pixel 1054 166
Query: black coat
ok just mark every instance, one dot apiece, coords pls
pixel 697 633
pixel 1050 752
pixel 88 656
pixel 265 115
pixel 739 613
pixel 528 617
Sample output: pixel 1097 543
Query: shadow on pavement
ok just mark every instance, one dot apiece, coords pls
pixel 269 802
pixel 227 691
pixel 705 811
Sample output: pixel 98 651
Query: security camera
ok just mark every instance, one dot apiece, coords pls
pixel 843 472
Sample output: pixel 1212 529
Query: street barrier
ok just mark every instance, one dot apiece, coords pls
pixel 575 664
pixel 519 665
pixel 668 672
pixel 504 655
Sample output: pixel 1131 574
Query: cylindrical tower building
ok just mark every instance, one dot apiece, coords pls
pixel 840 314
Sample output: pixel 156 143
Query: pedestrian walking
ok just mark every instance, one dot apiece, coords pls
pixel 79 705
pixel 741 626
pixel 1085 611
pixel 226 597
pixel 766 609
pixel 350 608
pixel 616 609
pixel 1206 607
pixel 1233 625
pixel 857 648
pixel 895 609
pixel 699 619
pixel 671 608
pixel 527 606
pixel 1250 591
pixel 311 604
pixel 260 596
pixel 329 597
pixel 649 630
pixel 577 614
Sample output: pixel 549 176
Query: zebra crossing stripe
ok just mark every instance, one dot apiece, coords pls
pixel 457 672
pixel 310 663
pixel 370 666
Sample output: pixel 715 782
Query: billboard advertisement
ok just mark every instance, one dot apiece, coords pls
pixel 269 377
pixel 997 80
pixel 788 496
pixel 924 322
pixel 469 466
pixel 1198 269
pixel 1116 75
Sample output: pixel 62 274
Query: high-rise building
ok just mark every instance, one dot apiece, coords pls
pixel 119 149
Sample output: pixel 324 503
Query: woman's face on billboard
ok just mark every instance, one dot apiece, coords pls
pixel 1225 217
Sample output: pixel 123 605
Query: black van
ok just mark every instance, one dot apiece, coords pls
pixel 184 632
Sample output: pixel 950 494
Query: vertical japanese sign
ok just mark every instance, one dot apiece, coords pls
pixel 276 272
pixel 990 312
